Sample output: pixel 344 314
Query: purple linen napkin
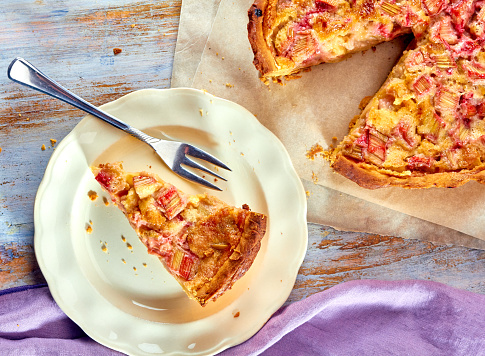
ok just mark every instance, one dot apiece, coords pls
pixel 353 318
pixel 376 318
pixel 32 324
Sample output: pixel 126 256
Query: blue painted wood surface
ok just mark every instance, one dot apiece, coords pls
pixel 73 41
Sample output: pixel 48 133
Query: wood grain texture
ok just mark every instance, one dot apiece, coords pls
pixel 334 257
pixel 18 266
pixel 73 42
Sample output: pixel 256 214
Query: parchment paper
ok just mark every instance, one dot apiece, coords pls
pixel 195 24
pixel 316 108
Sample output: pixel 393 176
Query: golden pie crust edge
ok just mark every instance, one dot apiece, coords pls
pixel 238 263
pixel 368 176
pixel 264 60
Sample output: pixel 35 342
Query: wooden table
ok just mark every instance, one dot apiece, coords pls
pixel 74 42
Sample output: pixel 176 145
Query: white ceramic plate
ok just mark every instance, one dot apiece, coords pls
pixel 106 282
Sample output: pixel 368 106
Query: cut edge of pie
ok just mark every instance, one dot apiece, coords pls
pixel 204 243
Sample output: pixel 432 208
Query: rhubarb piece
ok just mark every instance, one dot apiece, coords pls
pixel 376 147
pixel 433 7
pixel 446 103
pixel 390 8
pixel 444 61
pixel 171 201
pixel 475 71
pixel 204 243
pixel 423 85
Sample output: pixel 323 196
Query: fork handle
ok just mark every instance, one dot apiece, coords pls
pixel 24 73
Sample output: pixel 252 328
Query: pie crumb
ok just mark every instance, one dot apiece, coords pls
pixel 106 202
pixel 92 195
pixel 313 151
pixel 117 51
pixel 201 112
pixel 89 229
pixel 53 142
pixel 42 147
pixel 236 315
pixel 229 85
pixel 314 178
pixel 292 77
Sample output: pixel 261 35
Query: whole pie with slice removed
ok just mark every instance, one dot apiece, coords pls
pixel 425 126
pixel 204 243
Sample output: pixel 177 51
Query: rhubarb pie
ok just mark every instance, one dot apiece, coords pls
pixel 204 243
pixel 425 126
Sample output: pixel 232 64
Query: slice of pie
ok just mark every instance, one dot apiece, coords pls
pixel 203 242
pixel 425 126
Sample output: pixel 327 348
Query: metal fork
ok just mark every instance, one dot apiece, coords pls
pixel 174 154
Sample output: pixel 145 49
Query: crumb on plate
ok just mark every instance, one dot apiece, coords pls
pixel 92 195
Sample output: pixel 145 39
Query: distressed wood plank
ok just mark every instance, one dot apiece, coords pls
pixel 334 257
pixel 18 266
